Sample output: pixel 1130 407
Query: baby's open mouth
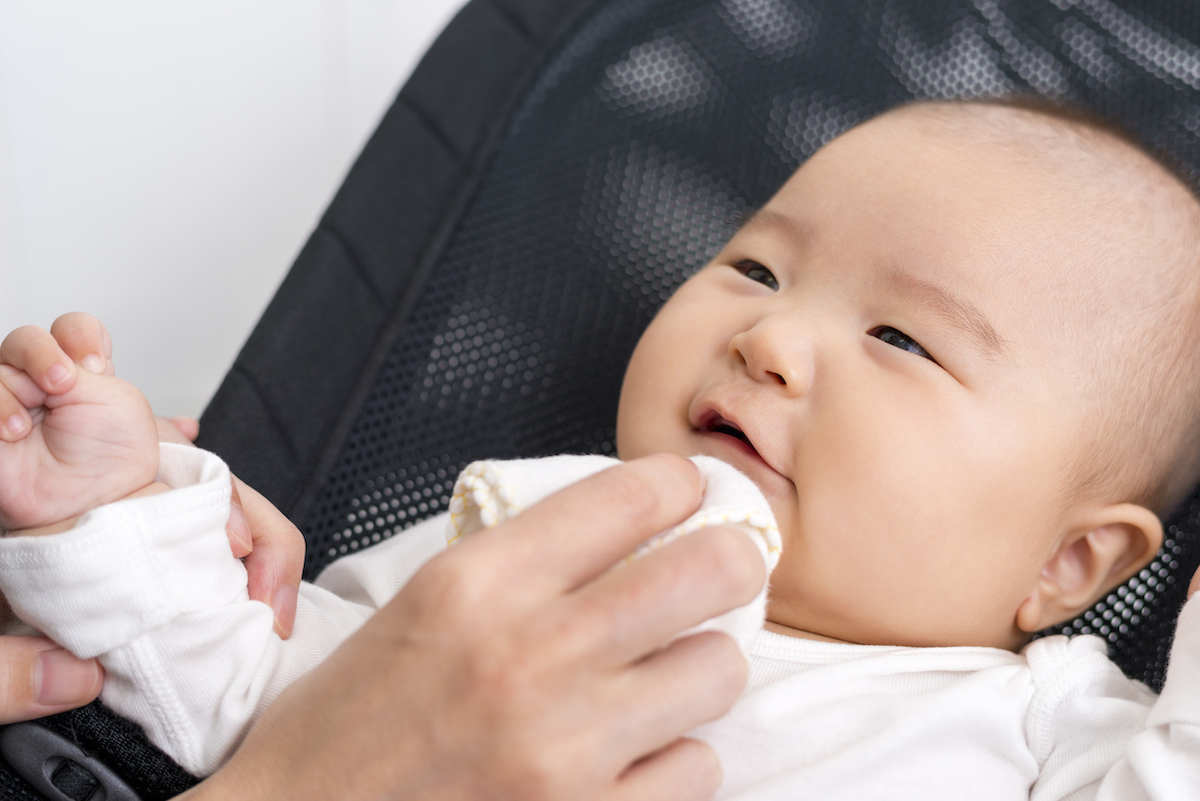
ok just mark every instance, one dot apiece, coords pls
pixel 742 454
pixel 720 425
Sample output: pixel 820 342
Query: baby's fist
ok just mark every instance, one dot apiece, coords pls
pixel 72 436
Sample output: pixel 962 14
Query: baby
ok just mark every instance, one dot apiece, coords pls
pixel 955 353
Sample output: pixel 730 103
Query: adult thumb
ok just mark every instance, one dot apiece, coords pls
pixel 38 678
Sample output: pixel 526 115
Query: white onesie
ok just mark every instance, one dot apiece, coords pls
pixel 151 587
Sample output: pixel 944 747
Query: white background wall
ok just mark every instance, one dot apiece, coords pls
pixel 161 164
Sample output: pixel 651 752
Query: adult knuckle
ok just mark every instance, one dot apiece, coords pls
pixel 446 589
pixel 590 620
pixel 535 777
pixel 546 771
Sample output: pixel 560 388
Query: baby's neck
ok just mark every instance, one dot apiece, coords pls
pixel 788 631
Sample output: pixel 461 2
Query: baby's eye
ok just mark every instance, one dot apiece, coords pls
pixel 756 272
pixel 901 340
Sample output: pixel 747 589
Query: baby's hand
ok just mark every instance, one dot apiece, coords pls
pixel 72 436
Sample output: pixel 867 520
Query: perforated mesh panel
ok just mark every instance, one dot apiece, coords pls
pixel 649 133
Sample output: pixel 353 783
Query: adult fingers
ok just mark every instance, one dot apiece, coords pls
pixel 85 340
pixel 581 531
pixel 188 426
pixel 37 678
pixel 237 528
pixel 35 352
pixel 685 582
pixel 686 770
pixel 1195 585
pixel 170 431
pixel 693 680
pixel 276 560
pixel 271 547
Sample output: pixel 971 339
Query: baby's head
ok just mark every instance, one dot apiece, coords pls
pixel 957 353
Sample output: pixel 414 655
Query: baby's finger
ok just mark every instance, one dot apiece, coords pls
pixel 15 421
pixel 22 387
pixel 34 351
pixel 84 339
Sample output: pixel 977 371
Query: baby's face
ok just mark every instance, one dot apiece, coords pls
pixel 881 350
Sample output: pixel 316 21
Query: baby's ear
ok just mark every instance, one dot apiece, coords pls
pixel 1095 557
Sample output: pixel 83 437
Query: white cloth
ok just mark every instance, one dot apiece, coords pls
pixel 194 662
pixel 490 492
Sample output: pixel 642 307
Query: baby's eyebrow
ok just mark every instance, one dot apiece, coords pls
pixel 955 310
pixel 762 217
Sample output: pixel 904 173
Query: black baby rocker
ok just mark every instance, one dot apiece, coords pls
pixel 547 177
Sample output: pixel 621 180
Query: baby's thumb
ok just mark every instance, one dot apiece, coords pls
pixel 37 678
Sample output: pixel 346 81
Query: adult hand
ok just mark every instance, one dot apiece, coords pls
pixel 270 546
pixel 517 665
pixel 37 678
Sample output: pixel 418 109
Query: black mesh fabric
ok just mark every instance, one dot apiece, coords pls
pixel 620 172
pixel 658 124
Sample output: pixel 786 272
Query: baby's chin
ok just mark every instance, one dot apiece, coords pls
pixel 788 631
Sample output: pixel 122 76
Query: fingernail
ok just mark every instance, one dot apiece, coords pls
pixel 284 607
pixel 56 374
pixel 60 678
pixel 93 363
pixel 16 425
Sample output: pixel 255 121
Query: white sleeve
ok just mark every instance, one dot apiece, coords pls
pixel 1110 739
pixel 151 587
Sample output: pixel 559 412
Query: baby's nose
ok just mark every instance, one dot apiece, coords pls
pixel 777 353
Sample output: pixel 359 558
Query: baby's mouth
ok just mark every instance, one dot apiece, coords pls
pixel 757 466
pixel 720 425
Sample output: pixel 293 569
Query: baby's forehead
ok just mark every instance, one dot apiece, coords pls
pixel 1112 210
pixel 1092 161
